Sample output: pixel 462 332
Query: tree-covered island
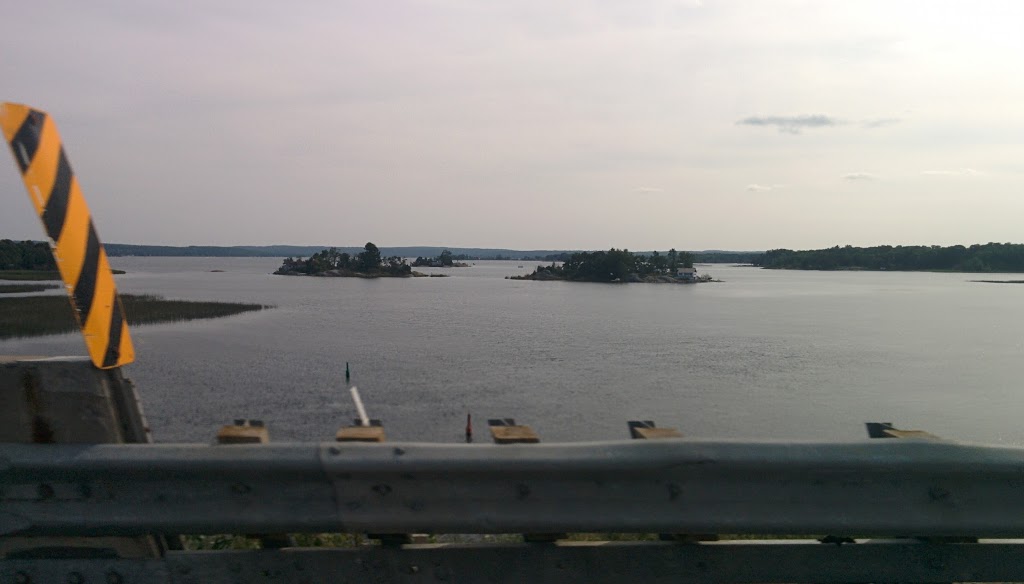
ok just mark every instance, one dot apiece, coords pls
pixel 621 265
pixel 444 260
pixel 332 263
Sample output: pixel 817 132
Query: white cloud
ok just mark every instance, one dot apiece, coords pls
pixel 754 187
pixel 649 190
pixel 879 123
pixel 798 123
pixel 859 176
pixel 791 124
pixel 958 172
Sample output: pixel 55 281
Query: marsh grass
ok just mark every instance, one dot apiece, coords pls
pixel 23 288
pixel 29 275
pixel 50 315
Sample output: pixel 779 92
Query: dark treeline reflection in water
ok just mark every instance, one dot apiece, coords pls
pixel 763 354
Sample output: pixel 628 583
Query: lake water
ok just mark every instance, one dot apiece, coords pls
pixel 763 354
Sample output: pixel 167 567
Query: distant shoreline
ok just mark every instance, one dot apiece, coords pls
pixel 979 258
pixel 998 281
pixel 364 275
pixel 38 275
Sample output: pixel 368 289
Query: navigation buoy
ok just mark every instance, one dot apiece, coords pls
pixel 348 375
pixel 469 428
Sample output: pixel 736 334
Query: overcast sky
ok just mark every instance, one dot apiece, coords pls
pixel 529 124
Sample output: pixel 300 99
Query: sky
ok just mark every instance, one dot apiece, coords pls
pixel 529 124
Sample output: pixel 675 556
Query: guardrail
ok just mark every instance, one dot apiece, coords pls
pixel 882 487
pixel 114 512
pixel 944 493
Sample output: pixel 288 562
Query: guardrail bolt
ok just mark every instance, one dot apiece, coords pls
pixel 76 578
pixel 22 578
pixel 114 578
pixel 45 492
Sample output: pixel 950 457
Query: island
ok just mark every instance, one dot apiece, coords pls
pixel 336 264
pixel 617 265
pixel 444 260
pixel 989 257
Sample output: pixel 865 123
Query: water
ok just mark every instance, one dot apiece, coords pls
pixel 764 354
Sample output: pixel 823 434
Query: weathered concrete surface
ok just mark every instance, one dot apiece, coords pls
pixel 66 400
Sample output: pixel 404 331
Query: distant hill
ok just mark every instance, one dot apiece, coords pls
pixel 127 249
pixel 481 253
pixel 279 251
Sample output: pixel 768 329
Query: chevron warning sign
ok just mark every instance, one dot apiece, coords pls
pixel 82 262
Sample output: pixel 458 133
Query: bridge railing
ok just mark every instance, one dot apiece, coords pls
pixel 877 487
pixel 114 508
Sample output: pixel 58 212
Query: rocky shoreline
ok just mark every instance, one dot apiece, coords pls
pixel 547 276
pixel 351 274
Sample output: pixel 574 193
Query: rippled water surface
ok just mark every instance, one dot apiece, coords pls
pixel 763 354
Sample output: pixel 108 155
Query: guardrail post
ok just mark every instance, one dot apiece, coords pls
pixel 359 433
pixel 506 431
pixel 886 430
pixel 647 430
pixel 375 433
pixel 67 400
pixel 244 432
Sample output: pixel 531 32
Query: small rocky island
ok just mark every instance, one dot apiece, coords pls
pixel 617 265
pixel 445 260
pixel 334 264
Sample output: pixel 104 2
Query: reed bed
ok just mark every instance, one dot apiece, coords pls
pixel 29 275
pixel 25 288
pixel 29 316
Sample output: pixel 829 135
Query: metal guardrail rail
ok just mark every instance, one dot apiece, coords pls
pixel 77 505
pixel 879 488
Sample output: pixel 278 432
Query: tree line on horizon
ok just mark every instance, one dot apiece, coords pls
pixel 988 257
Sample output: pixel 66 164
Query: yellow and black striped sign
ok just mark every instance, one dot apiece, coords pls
pixel 82 262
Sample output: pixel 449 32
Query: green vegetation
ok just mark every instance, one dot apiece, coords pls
pixel 241 542
pixel 727 257
pixel 444 260
pixel 23 288
pixel 26 256
pixel 28 260
pixel 29 275
pixel 615 265
pixel 330 262
pixel 49 315
pixel 990 257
